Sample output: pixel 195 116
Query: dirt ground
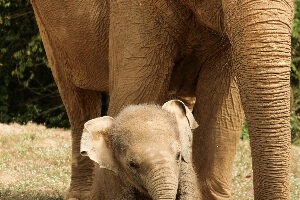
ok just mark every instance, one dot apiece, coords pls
pixel 35 164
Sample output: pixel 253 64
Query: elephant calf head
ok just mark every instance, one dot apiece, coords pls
pixel 144 144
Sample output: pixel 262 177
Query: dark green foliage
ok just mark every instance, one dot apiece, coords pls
pixel 245 135
pixel 295 77
pixel 27 89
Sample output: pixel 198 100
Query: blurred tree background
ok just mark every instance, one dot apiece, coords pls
pixel 27 88
pixel 295 76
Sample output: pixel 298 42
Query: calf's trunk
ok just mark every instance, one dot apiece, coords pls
pixel 163 184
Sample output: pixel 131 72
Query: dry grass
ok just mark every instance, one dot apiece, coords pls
pixel 35 164
pixel 242 187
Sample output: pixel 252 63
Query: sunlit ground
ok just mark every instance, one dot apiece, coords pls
pixel 35 164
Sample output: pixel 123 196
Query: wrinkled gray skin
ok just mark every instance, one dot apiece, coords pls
pixel 148 148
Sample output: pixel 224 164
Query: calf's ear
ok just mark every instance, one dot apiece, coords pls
pixel 95 143
pixel 186 122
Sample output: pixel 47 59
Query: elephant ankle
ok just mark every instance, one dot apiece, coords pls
pixel 214 190
pixel 81 179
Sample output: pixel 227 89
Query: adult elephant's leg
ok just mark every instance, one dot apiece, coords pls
pixel 81 105
pixel 260 33
pixel 219 113
pixel 142 51
pixel 141 54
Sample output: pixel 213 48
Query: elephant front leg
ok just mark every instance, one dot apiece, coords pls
pixel 81 106
pixel 219 113
pixel 142 50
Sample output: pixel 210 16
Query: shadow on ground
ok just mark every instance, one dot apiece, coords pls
pixel 7 194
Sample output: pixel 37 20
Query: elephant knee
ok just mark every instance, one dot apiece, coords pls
pixel 212 188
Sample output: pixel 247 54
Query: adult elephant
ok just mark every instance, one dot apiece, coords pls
pixel 220 50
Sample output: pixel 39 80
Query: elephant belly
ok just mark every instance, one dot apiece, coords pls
pixel 200 49
pixel 77 33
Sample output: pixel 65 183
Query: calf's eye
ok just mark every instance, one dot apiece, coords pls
pixel 178 155
pixel 134 165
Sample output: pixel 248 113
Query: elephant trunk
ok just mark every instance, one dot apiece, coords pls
pixel 163 184
pixel 259 32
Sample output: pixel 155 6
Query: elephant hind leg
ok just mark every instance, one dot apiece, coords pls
pixel 219 114
pixel 81 105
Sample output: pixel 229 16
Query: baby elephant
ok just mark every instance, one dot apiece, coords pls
pixel 148 148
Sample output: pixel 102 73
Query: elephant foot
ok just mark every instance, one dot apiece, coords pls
pixel 81 178
pixel 77 195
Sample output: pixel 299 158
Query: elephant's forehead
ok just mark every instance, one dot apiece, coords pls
pixel 150 134
pixel 161 149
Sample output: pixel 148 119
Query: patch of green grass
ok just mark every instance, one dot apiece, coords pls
pixel 297 142
pixel 245 134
